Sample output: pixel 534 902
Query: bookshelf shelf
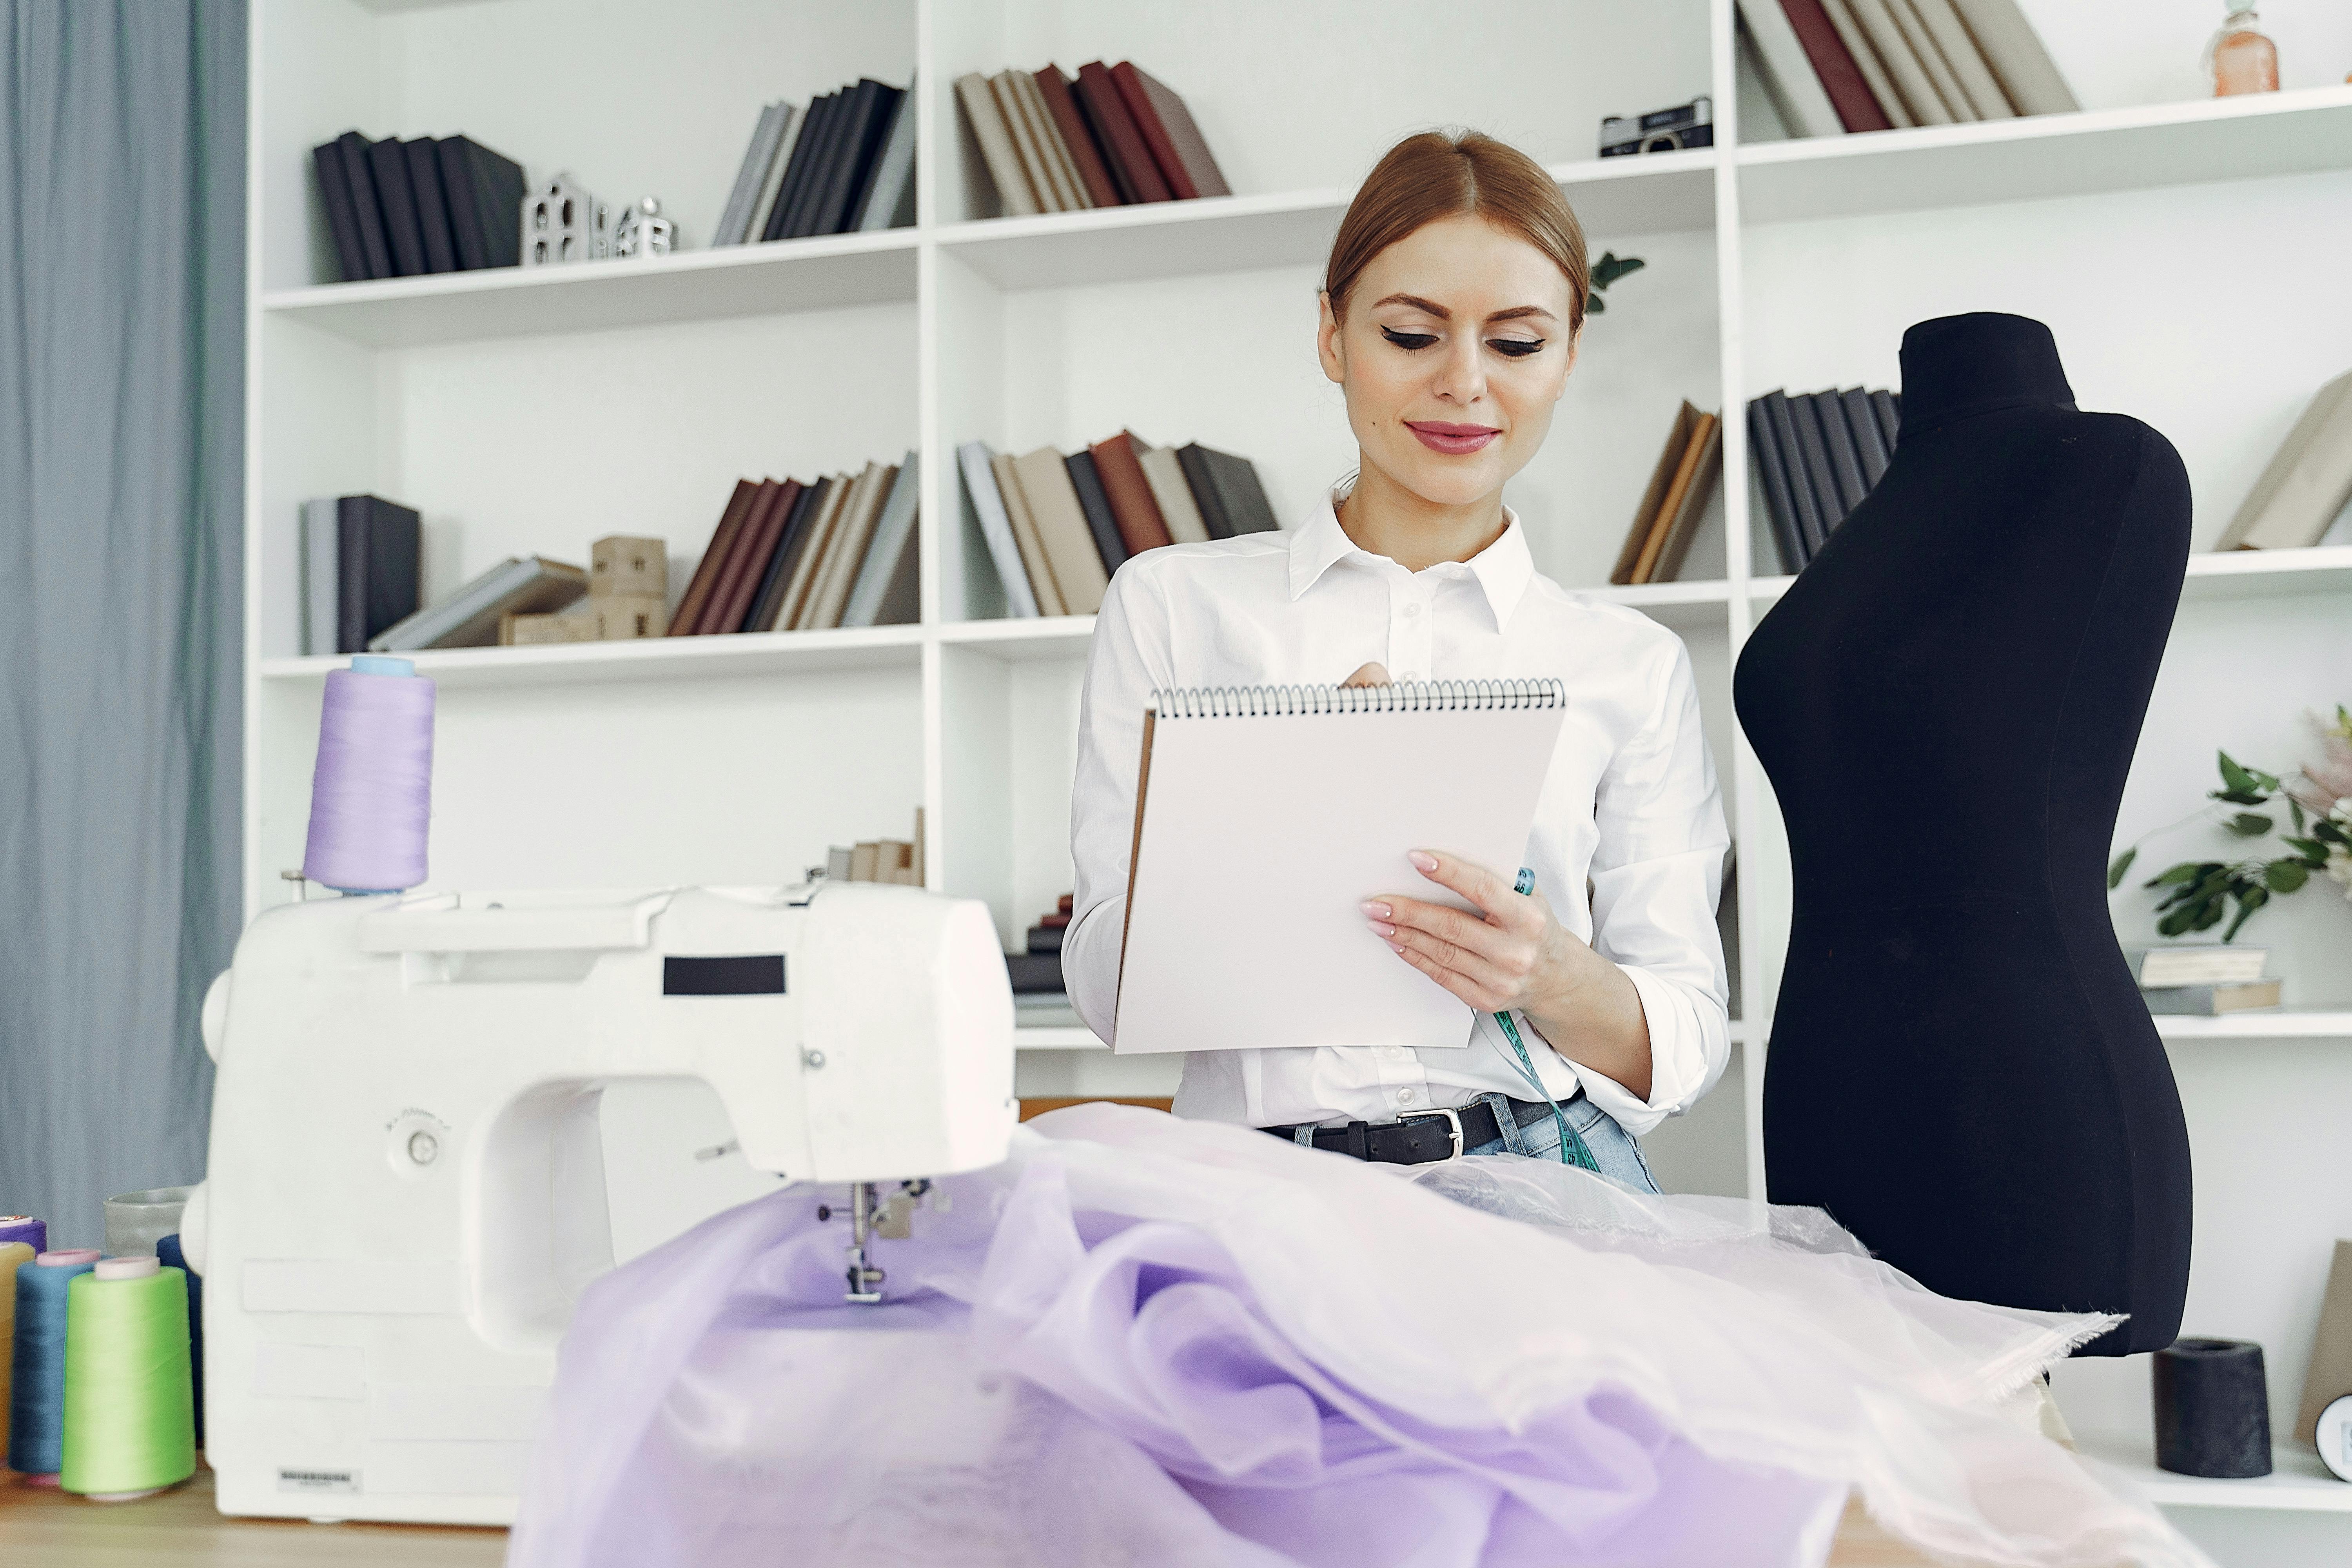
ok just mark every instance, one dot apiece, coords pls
pixel 2213 574
pixel 2286 1023
pixel 1046 636
pixel 2297 1481
pixel 737 656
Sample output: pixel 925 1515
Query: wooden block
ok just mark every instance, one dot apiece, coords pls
pixel 2330 1374
pixel 524 631
pixel 861 861
pixel 624 565
pixel 625 618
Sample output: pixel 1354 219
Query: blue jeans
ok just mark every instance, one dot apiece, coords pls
pixel 1613 1148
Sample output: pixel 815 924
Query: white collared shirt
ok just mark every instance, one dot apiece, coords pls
pixel 1629 810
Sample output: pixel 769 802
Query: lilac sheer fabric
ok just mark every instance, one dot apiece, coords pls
pixel 1143 1340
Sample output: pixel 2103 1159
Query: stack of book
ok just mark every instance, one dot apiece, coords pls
pixel 360 556
pixel 398 209
pixel 628 598
pixel 1677 497
pixel 2207 981
pixel 899 860
pixel 1058 527
pixel 1835 65
pixel 475 614
pixel 844 165
pixel 1112 137
pixel 1817 454
pixel 2308 482
pixel 788 556
pixel 1037 972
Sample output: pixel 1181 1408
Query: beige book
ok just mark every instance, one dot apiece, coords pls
pixel 1919 95
pixel 2329 1378
pixel 2307 483
pixel 1024 537
pixel 862 860
pixel 2014 51
pixel 1049 137
pixel 1697 448
pixel 996 150
pixel 1645 515
pixel 1164 473
pixel 1062 530
pixel 848 553
pixel 837 499
pixel 1866 60
pixel 1024 143
pixel 1967 62
pixel 1683 527
pixel 1939 70
pixel 529 631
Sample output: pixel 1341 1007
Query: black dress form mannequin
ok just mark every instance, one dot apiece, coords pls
pixel 1961 1070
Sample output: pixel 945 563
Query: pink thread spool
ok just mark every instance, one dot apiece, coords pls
pixel 371 792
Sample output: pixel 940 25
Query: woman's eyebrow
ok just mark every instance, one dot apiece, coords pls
pixel 1516 311
pixel 1431 307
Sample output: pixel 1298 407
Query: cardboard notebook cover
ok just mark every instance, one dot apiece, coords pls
pixel 1264 817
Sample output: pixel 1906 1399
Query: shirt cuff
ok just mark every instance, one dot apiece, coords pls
pixel 1680 1064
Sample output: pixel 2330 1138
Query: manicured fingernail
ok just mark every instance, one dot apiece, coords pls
pixel 1383 929
pixel 1423 861
pixel 1377 910
pixel 1395 948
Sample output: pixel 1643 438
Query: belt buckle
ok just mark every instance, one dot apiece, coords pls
pixel 1453 1122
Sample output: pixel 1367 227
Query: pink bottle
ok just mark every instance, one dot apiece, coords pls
pixel 2240 59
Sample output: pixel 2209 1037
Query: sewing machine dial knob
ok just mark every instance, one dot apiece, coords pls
pixel 414 1142
pixel 423 1148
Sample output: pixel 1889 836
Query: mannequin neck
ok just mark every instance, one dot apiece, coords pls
pixel 1955 366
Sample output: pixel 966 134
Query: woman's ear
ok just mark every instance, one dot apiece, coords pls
pixel 1575 347
pixel 1327 340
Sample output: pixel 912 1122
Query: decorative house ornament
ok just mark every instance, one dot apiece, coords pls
pixel 563 223
pixel 642 230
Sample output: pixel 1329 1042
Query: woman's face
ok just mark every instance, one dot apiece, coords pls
pixel 1455 348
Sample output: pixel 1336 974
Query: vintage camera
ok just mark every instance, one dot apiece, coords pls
pixel 1690 124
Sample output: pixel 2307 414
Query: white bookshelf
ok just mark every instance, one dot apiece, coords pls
pixel 2186 253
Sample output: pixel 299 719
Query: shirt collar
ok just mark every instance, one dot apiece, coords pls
pixel 1503 569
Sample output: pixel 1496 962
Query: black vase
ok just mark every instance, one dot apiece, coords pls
pixel 2213 1409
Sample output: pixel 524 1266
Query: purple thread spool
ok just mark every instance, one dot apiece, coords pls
pixel 372 794
pixel 33 1233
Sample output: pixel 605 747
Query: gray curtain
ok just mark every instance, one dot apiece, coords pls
pixel 122 435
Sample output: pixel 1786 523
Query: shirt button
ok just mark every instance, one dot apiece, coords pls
pixel 1411 611
pixel 1404 1097
pixel 1410 675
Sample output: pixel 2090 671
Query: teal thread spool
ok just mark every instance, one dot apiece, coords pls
pixel 37 1391
pixel 130 1416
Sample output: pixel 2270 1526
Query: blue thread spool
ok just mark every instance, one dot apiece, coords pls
pixel 168 1250
pixel 37 1415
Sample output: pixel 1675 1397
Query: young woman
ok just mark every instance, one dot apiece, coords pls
pixel 1451 311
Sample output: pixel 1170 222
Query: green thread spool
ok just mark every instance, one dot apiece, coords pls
pixel 130 1419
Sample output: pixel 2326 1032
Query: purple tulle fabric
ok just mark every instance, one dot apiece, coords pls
pixel 1144 1342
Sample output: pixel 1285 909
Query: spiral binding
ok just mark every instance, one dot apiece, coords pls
pixel 1404 697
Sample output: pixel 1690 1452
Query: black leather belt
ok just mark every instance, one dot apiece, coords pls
pixel 1421 1137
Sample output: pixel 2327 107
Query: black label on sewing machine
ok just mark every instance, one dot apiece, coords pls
pixel 755 974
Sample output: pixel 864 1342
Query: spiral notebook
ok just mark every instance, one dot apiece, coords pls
pixel 1263 816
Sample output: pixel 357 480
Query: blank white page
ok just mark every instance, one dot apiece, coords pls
pixel 1260 836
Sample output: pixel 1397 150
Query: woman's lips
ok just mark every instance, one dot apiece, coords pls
pixel 1439 436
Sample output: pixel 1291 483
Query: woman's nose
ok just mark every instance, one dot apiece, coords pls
pixel 1460 377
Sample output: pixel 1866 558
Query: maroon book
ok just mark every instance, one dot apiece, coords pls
pixel 759 551
pixel 1121 142
pixel 1857 108
pixel 738 567
pixel 1140 523
pixel 706 574
pixel 1062 104
pixel 1168 130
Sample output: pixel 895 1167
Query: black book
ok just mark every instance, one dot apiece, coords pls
pixel 808 204
pixel 1226 490
pixel 485 195
pixel 399 221
pixel 870 108
pixel 789 545
pixel 1889 409
pixel 808 157
pixel 886 194
pixel 1813 462
pixel 1810 530
pixel 432 205
pixel 359 175
pixel 376 559
pixel 1045 938
pixel 335 195
pixel 1862 420
pixel 1031 974
pixel 1109 543
pixel 1846 462
pixel 1780 511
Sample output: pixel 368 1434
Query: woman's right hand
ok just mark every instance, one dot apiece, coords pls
pixel 1369 675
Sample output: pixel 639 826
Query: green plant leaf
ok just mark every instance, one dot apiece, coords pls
pixel 2177 922
pixel 2249 901
pixel 1594 304
pixel 2122 864
pixel 2295 812
pixel 2330 829
pixel 2285 876
pixel 2239 796
pixel 2249 824
pixel 2234 777
pixel 2209 915
pixel 2186 871
pixel 2314 853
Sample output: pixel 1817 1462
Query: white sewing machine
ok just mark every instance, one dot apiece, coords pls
pixel 411 1132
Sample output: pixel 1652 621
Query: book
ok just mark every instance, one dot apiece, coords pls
pixel 766 604
pixel 321 583
pixel 1100 522
pixel 1645 514
pixel 1811 527
pixel 343 220
pixel 995 527
pixel 378 555
pixel 519 585
pixel 531 631
pixel 1837 440
pixel 1078 136
pixel 1384 767
pixel 1140 523
pixel 1024 537
pixel 1974 73
pixel 2307 483
pixel 872 109
pixel 1813 462
pixel 431 203
pixel 1163 471
pixel 1175 143
pixel 809 154
pixel 723 611
pixel 764 202
pixel 2215 963
pixel 1866 60
pixel 1044 177
pixel 800 591
pixel 1116 133
pixel 359 177
pixel 1834 66
pixel 1034 973
pixel 1061 527
pixel 1925 105
pixel 830 594
pixel 1788 75
pixel 888 199
pixel 2212 1001
pixel 851 121
pixel 1772 474
pixel 1075 194
pixel 996 150
pixel 1869 441
pixel 714 554
pixel 1889 409
pixel 1682 524
pixel 902 597
pixel 757 157
pixel 402 226
pixel 1924 49
pixel 1697 448
pixel 484 193
pixel 1231 499
pixel 2014 51
pixel 894 537
pixel 1045 939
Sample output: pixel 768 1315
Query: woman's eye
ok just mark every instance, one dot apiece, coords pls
pixel 1517 348
pixel 1408 340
